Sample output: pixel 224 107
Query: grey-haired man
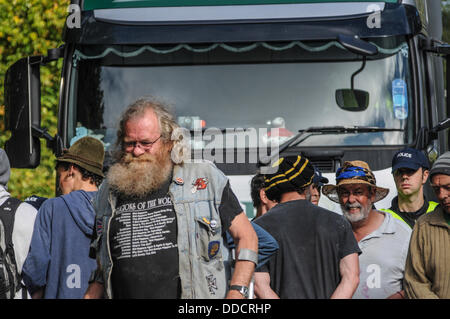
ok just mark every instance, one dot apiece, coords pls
pixel 383 239
pixel 161 221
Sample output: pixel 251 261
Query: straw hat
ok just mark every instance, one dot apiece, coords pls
pixel 354 172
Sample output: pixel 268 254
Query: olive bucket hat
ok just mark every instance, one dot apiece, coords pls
pixel 354 172
pixel 88 153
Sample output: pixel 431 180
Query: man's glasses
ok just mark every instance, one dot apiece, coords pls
pixel 144 145
pixel 344 193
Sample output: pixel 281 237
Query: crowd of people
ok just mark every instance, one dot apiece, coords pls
pixel 157 226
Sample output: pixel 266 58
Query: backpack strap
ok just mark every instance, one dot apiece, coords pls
pixel 7 217
pixel 35 201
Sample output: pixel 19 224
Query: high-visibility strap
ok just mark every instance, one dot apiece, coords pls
pixel 431 206
pixel 394 214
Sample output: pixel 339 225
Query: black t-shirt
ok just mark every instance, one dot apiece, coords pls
pixel 312 241
pixel 409 217
pixel 143 240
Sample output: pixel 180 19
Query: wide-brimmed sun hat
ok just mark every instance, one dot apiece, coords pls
pixel 354 172
pixel 293 173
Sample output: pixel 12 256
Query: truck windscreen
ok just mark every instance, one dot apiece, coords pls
pixel 288 87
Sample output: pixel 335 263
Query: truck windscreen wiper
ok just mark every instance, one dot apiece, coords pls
pixel 214 130
pixel 302 135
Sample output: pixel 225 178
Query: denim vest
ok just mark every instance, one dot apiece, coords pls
pixel 204 265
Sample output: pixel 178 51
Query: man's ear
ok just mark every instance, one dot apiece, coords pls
pixel 373 194
pixel 263 196
pixel 425 174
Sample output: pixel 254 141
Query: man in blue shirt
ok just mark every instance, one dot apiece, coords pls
pixel 58 264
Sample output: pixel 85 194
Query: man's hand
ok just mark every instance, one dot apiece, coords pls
pixel 234 294
pixel 262 286
pixel 94 291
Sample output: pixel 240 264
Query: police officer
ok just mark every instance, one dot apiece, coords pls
pixel 410 169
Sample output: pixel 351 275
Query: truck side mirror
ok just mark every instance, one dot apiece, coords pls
pixel 23 112
pixel 426 136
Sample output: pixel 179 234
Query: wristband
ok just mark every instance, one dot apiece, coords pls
pixel 249 255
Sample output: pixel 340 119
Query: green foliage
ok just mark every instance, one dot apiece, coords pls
pixel 31 27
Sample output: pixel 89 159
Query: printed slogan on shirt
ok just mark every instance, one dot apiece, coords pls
pixel 144 227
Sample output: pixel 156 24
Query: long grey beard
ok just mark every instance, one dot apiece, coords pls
pixel 139 176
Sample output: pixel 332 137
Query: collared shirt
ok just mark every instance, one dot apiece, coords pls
pixel 383 258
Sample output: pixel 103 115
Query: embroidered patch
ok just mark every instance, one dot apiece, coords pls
pixel 212 284
pixel 213 248
pixel 200 183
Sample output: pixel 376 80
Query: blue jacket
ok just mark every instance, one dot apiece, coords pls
pixel 59 252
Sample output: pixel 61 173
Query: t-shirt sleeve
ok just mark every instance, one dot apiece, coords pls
pixel 264 268
pixel 229 207
pixel 348 244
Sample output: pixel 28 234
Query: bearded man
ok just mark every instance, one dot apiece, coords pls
pixel 382 239
pixel 161 220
